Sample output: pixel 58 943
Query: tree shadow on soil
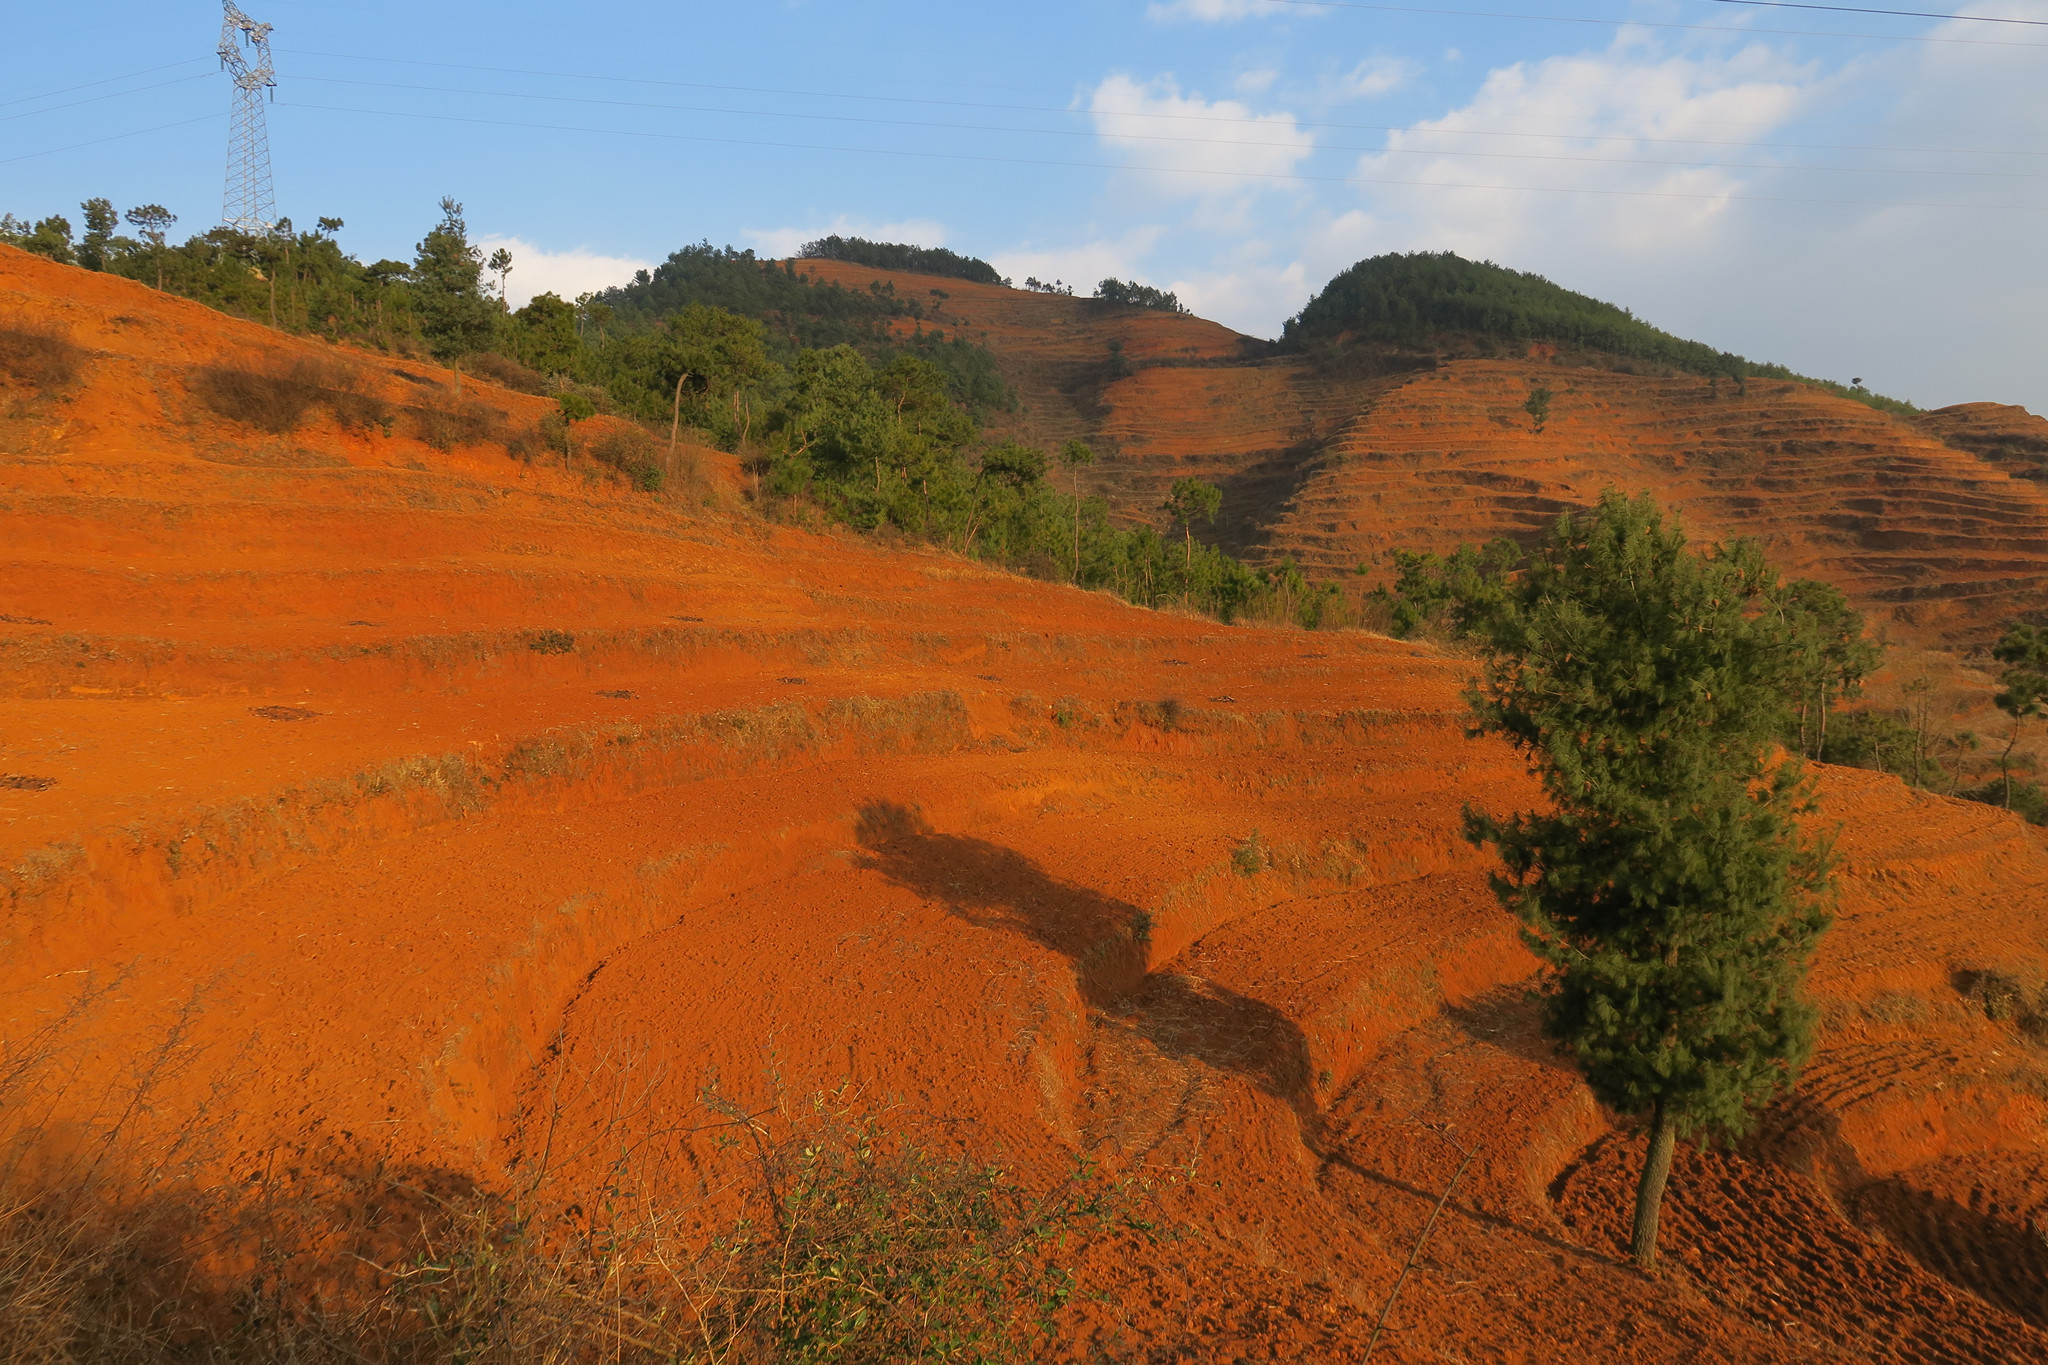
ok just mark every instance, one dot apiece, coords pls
pixel 1510 1018
pixel 998 888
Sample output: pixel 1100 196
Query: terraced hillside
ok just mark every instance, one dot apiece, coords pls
pixel 1335 459
pixel 382 809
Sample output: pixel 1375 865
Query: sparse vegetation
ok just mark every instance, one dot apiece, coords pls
pixel 269 397
pixel 863 1244
pixel 1250 858
pixel 38 356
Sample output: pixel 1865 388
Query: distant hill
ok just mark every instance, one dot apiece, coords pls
pixel 1345 442
pixel 1440 300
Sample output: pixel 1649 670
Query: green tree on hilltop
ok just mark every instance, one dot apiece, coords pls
pixel 544 334
pixel 153 221
pixel 456 318
pixel 1667 886
pixel 100 223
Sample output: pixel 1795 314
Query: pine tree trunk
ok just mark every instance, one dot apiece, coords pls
pixel 1650 1193
pixel 2005 761
pixel 675 421
pixel 1077 524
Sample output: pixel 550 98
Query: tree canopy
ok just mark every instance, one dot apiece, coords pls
pixel 1131 294
pixel 1433 298
pixel 911 260
pixel 1666 885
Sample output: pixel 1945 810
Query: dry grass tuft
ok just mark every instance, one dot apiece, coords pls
pixel 277 397
pixel 38 356
pixel 506 372
pixel 845 1240
pixel 446 425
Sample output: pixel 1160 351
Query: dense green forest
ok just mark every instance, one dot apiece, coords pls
pixel 1418 298
pixel 802 313
pixel 834 410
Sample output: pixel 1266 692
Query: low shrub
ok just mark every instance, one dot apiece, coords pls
pixel 506 372
pixel 38 356
pixel 447 425
pixel 277 397
pixel 1251 857
pixel 631 451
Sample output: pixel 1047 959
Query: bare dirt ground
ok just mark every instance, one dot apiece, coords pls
pixel 433 808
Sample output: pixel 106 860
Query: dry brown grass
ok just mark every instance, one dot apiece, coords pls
pixel 506 373
pixel 277 397
pixel 448 424
pixel 38 356
pixel 854 1242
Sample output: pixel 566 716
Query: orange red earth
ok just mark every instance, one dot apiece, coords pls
pixel 391 797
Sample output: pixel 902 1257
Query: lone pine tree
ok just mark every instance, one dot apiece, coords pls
pixel 1668 888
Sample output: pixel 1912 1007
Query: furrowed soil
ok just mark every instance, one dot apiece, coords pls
pixel 377 802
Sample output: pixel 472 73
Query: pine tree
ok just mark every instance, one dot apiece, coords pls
pixel 447 277
pixel 1668 888
pixel 100 223
pixel 1191 500
pixel 2022 687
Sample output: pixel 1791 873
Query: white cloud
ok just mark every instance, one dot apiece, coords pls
pixel 1248 295
pixel 563 273
pixel 782 243
pixel 1624 150
pixel 1083 266
pixel 1210 11
pixel 1681 186
pixel 1257 81
pixel 1376 76
pixel 1193 146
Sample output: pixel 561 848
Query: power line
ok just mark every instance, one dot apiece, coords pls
pixel 1895 13
pixel 96 99
pixel 1303 149
pixel 1287 177
pixel 782 92
pixel 52 94
pixel 117 137
pixel 1651 23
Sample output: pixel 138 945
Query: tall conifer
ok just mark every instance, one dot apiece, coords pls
pixel 1668 887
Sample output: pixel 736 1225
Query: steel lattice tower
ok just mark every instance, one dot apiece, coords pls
pixel 250 205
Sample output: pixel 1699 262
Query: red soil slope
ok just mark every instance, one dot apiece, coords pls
pixel 404 798
pixel 1932 523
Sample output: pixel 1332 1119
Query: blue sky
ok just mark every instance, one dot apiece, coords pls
pixel 1853 195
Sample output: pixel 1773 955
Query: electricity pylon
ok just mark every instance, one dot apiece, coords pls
pixel 250 205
